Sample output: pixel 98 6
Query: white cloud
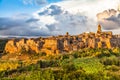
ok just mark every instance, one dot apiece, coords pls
pixel 38 2
pixel 58 20
pixel 110 19
pixel 89 7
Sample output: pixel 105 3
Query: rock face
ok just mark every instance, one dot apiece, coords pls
pixel 64 43
pixel 23 45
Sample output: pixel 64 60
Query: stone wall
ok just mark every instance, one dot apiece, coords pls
pixel 23 46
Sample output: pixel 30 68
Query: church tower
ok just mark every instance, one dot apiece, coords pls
pixel 67 33
pixel 99 29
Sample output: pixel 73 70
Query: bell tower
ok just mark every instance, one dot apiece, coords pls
pixel 99 29
pixel 67 33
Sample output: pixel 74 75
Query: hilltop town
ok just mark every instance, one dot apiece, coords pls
pixel 86 56
pixel 64 43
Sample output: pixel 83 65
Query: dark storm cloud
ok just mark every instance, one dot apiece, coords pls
pixel 20 27
pixel 114 19
pixel 6 23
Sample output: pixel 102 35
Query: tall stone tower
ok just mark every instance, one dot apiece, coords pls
pixel 99 29
pixel 67 33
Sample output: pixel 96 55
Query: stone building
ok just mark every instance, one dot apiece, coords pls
pixel 52 46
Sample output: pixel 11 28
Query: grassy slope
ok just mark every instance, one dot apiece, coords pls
pixel 87 64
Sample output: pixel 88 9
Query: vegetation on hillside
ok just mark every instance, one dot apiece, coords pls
pixel 2 44
pixel 85 64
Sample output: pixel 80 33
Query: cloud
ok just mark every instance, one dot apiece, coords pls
pixel 56 21
pixel 22 27
pixel 38 2
pixel 6 23
pixel 63 20
pixel 32 20
pixel 88 7
pixel 109 19
pixel 51 10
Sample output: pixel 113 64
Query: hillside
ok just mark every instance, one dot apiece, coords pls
pixel 84 64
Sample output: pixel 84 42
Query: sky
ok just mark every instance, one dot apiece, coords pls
pixel 11 7
pixel 56 17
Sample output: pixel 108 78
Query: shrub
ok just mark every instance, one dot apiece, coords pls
pixel 110 61
pixel 69 67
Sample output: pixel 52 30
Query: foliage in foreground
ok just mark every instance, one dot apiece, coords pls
pixel 85 64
